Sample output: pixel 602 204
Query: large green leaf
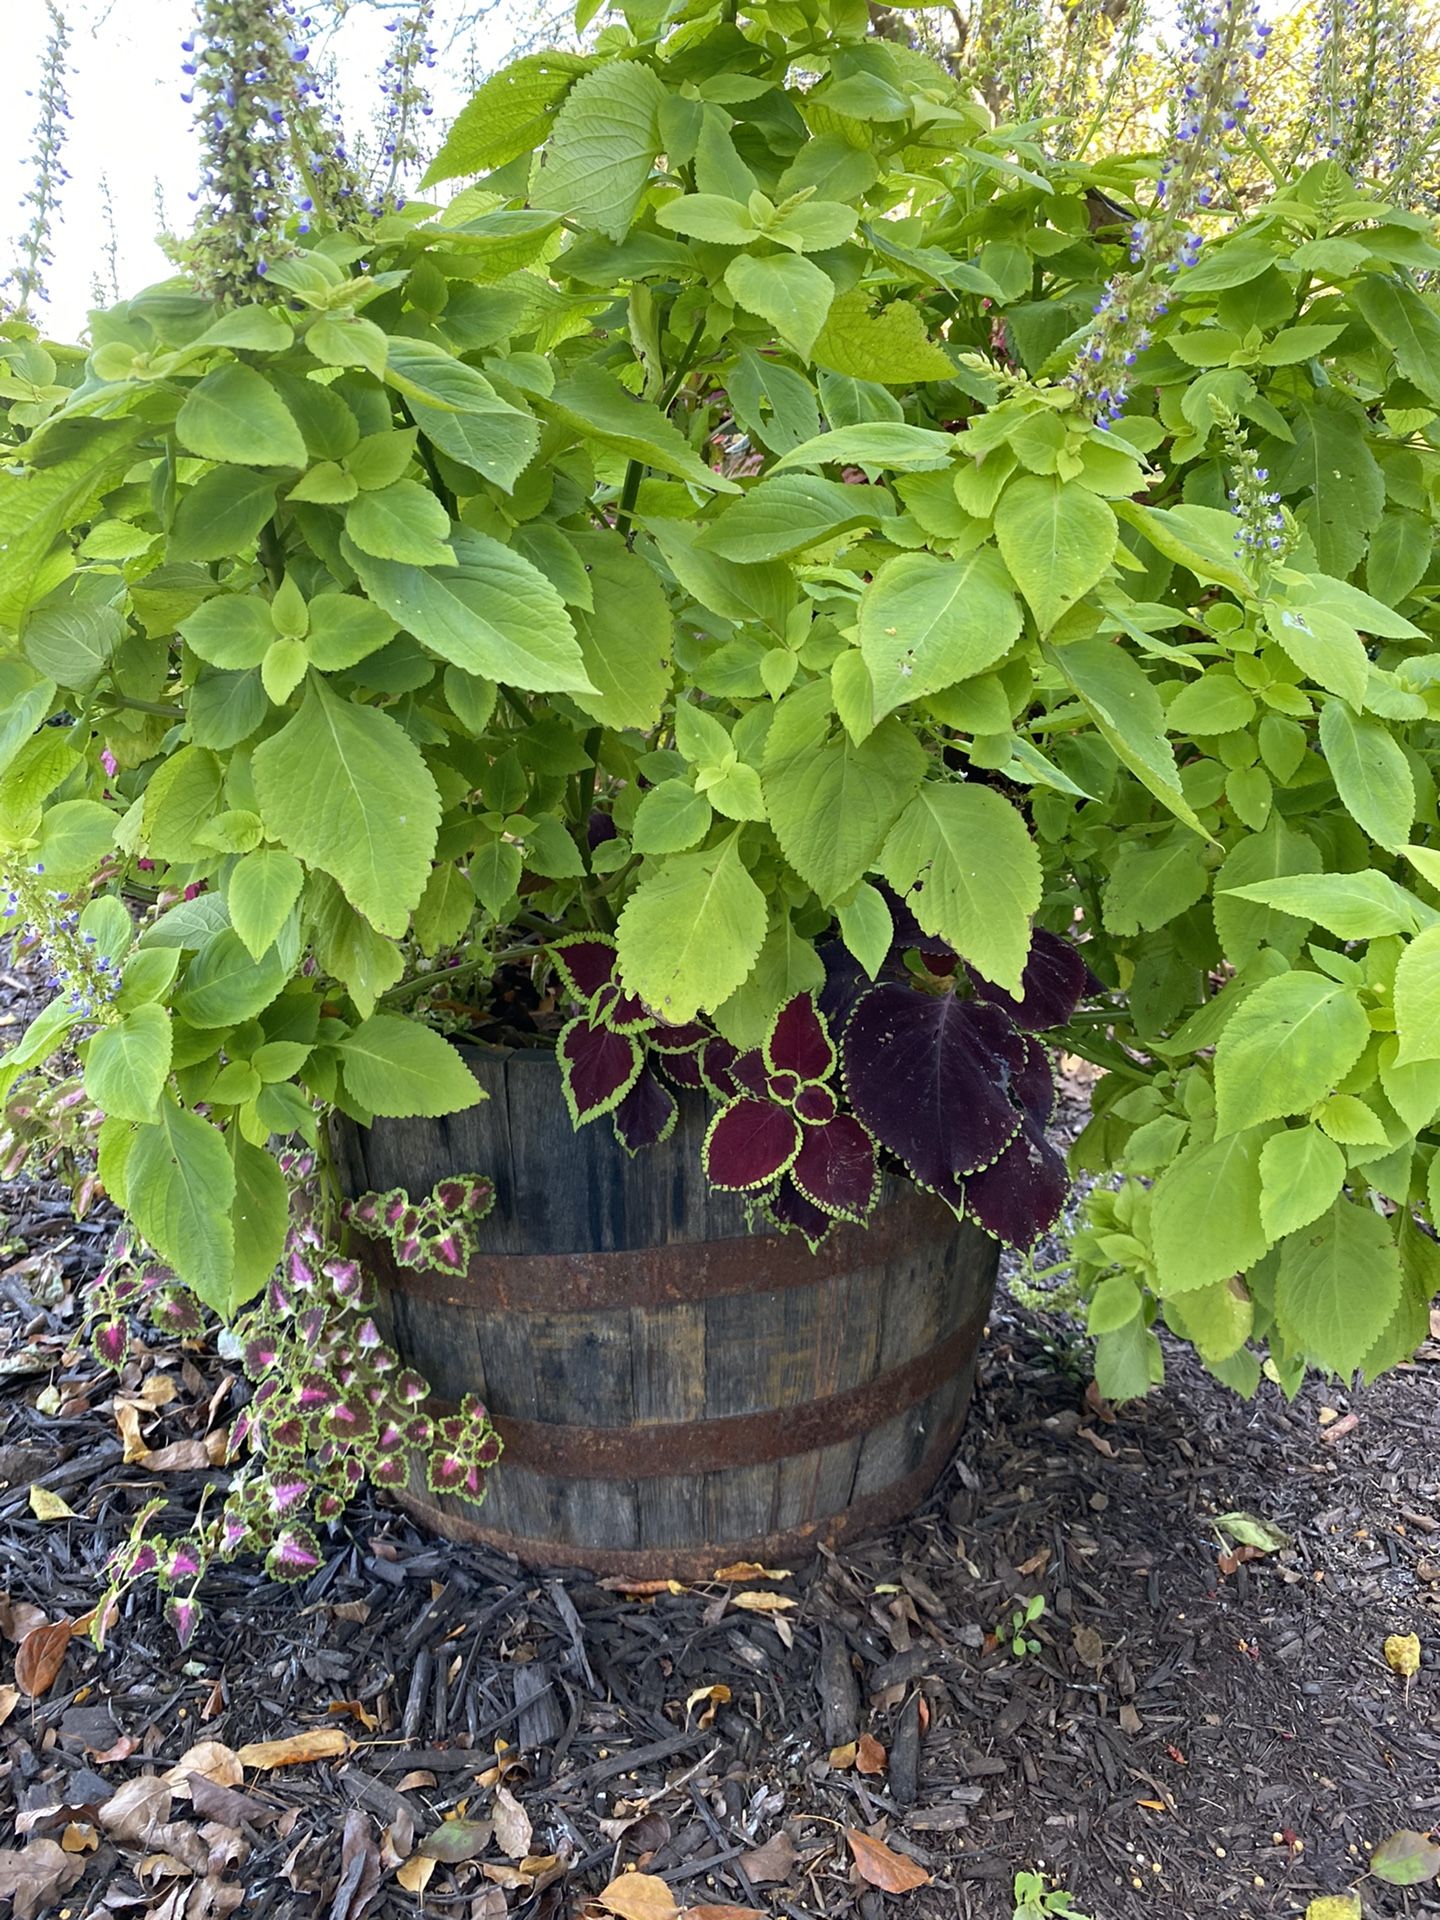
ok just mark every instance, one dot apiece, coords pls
pixel 1057 540
pixel 179 1186
pixel 1338 1285
pixel 398 1067
pixel 691 931
pixel 1408 324
pixel 1331 464
pixel 403 522
pixel 1129 715
pixel 625 638
pixel 261 889
pixel 1285 1047
pixel 126 1064
pixel 926 622
pixel 885 344
pixel 789 513
pixel 259 1218
pixel 221 514
pixel 1371 773
pixel 1205 1215
pixel 602 145
pixel 1301 1172
pixel 763 593
pixel 224 984
pixel 1325 648
pixel 343 787
pixel 968 852
pixel 830 802
pixel 234 414
pixel 794 295
pixel 73 463
pixel 25 698
pixel 1353 906
pixel 492 613
pixel 509 115
pixel 893 445
pixel 1417 998
pixel 593 404
pixel 72 645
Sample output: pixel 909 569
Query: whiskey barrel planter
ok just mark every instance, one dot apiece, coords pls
pixel 674 1392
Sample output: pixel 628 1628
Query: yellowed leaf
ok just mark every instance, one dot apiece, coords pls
pixel 9 1700
pixel 712 1912
pixel 421 1777
pixel 355 1710
pixel 881 1867
pixel 414 1876
pixel 511 1878
pixel 512 1825
pixel 49 1506
pixel 316 1743
pixel 709 1698
pixel 211 1758
pixel 639 1896
pixel 1335 1906
pixel 1402 1654
pixel 762 1602
pixel 79 1837
pixel 1155 1806
pixel 127 1419
pixel 842 1757
pixel 751 1570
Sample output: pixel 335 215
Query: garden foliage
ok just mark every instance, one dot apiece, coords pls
pixel 703 563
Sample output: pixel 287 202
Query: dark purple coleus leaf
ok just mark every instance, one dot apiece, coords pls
pixel 646 1115
pixel 717 1057
pixel 585 962
pixel 815 1105
pixel 799 1041
pixel 663 1038
pixel 793 1213
pixel 748 1074
pixel 1035 1083
pixel 682 1070
pixel 920 1072
pixel 618 1010
pixel 1022 1194
pixel 750 1143
pixel 845 983
pixel 110 1341
pixel 597 1068
pixel 1054 980
pixel 835 1168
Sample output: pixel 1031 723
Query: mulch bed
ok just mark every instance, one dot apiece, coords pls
pixel 1186 1741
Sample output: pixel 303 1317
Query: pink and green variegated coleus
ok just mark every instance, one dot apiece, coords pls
pixel 429 1235
pixel 926 1065
pixel 332 1405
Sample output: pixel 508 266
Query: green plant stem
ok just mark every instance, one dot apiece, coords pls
pixel 428 461
pixel 635 471
pixel 422 982
pixel 156 707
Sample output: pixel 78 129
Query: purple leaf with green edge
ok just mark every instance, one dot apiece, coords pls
pixel 1054 981
pixel 922 1073
pixel 446 1472
pixel 748 1073
pixel 329 1506
pixel 597 1068
pixel 285 1492
pixel 409 1250
pixel 181 1563
pixel 183 1615
pixel 314 1391
pixel 1022 1194
pixel 368 1212
pixel 908 930
pixel 411 1387
pixel 815 1105
pixel 585 962
pixel 391 1471
pixel 663 1038
pixel 285 1436
pixel 620 1011
pixel 682 1070
pixel 789 1210
pixel 1406 1859
pixel 749 1144
pixel 647 1114
pixel 346 1279
pixel 395 1209
pixel 110 1341
pixel 178 1313
pixel 447 1252
pixel 835 1168
pixel 471 1195
pixel 717 1057
pixel 294 1556
pixel 489 1450
pixel 1034 1084
pixel 846 983
pixel 309 1325
pixel 799 1041
pixel 260 1356
pixel 234 1532
pixel 299 1272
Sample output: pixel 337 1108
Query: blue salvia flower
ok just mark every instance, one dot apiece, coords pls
pixel 1222 41
pixel 405 104
pixel 48 918
pixel 50 178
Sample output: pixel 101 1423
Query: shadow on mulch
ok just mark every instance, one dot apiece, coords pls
pixel 1184 1743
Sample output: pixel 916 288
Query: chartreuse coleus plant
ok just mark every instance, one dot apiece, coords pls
pixel 687 567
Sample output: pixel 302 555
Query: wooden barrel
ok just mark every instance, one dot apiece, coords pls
pixel 674 1392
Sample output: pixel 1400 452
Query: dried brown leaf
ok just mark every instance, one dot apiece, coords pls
pixel 640 1589
pixel 214 1802
pixel 354 1710
pixel 457 1840
pixel 773 1862
pixel 639 1896
pixel 316 1743
pixel 749 1570
pixel 414 1876
pixel 870 1756
pixel 127 1419
pixel 17 1617
pixel 36 1877
pixel 181 1456
pixel 40 1656
pixel 9 1700
pixel 1089 1647
pixel 762 1602
pixel 843 1757
pixel 513 1832
pixel 712 1912
pixel 879 1866
pixel 210 1758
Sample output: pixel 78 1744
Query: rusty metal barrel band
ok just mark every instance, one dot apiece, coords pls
pixel 656 1450
pixel 680 1272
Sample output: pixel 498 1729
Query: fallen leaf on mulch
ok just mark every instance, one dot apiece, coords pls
pixel 1335 1906
pixel 1402 1654
pixel 40 1656
pixel 713 1912
pixel 78 1836
pixel 414 1876
pixel 879 1867
pixel 710 1698
pixel 748 1570
pixel 1089 1647
pixel 1248 1530
pixel 1340 1429
pixel 215 1802
pixel 1406 1859
pixel 639 1589
pixel 527 1877
pixel 210 1758
pixel 17 1617
pixel 762 1602
pixel 843 1757
pixel 355 1710
pixel 513 1832
pixel 127 1419
pixel 870 1756
pixel 139 1815
pixel 454 1841
pixel 35 1878
pixel 639 1896
pixel 359 1868
pixel 49 1506
pixel 181 1456
pixel 773 1862
pixel 316 1743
